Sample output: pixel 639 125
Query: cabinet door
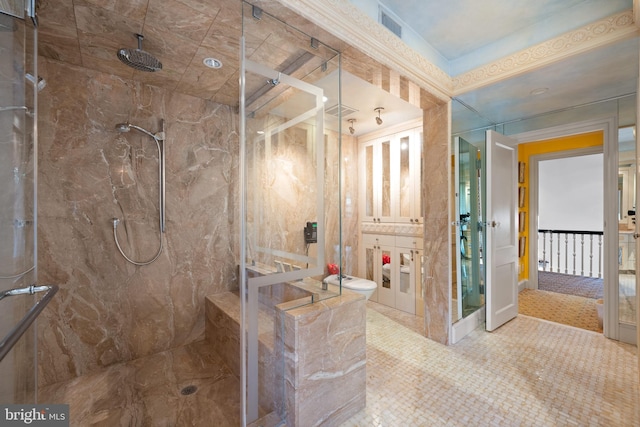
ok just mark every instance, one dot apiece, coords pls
pixel 384 202
pixel 375 187
pixel 368 264
pixel 417 154
pixel 388 283
pixel 408 174
pixel 406 280
pixel 419 270
pixel 377 265
pixel 409 290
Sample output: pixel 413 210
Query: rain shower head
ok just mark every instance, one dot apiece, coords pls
pixel 139 59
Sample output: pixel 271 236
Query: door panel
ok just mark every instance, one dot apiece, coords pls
pixel 502 236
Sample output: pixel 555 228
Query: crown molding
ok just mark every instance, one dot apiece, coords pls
pixel 599 33
pixel 346 21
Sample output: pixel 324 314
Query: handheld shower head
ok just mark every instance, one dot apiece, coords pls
pixel 123 127
pixel 126 127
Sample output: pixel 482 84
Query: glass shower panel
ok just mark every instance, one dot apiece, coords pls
pixel 468 295
pixel 17 196
pixel 290 232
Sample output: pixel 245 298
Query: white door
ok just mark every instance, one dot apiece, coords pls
pixel 501 231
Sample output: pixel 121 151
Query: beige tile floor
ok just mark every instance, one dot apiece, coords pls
pixel 530 372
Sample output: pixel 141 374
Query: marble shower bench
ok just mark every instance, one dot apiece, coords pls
pixel 312 356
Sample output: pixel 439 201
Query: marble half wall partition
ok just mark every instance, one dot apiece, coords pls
pixel 108 310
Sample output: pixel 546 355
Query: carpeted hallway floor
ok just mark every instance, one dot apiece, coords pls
pixel 588 287
pixel 562 298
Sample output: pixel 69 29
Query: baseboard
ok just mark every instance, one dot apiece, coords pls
pixel 463 327
pixel 522 285
pixel 627 333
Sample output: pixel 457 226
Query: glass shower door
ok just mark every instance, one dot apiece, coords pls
pixel 17 196
pixel 290 195
pixel 469 293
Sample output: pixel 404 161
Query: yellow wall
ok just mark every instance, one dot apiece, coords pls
pixel 525 151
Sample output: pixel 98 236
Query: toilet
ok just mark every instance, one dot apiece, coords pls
pixel 356 284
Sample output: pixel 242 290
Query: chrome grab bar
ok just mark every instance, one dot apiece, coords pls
pixel 14 335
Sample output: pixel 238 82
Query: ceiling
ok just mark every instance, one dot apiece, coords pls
pixel 456 35
pixel 467 34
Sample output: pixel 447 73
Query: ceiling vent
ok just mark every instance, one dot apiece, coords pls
pixel 390 23
pixel 340 110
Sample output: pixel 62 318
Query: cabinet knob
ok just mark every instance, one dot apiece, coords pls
pixel 411 220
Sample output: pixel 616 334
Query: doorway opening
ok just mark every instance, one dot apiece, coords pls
pixel 566 210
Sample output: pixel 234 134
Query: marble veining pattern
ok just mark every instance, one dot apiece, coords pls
pixel 435 192
pixel 108 310
pixel 529 373
pixel 149 391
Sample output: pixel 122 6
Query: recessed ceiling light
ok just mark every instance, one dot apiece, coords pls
pixel 212 63
pixel 539 91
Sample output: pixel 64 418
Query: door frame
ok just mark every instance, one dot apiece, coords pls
pixel 609 126
pixel 534 192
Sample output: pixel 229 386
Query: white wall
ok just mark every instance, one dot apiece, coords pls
pixel 571 193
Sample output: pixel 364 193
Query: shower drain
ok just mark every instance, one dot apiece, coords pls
pixel 190 389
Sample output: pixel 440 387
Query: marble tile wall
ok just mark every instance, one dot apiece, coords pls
pixel 108 310
pixel 435 192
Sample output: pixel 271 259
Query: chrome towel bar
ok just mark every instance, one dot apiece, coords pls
pixel 14 335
